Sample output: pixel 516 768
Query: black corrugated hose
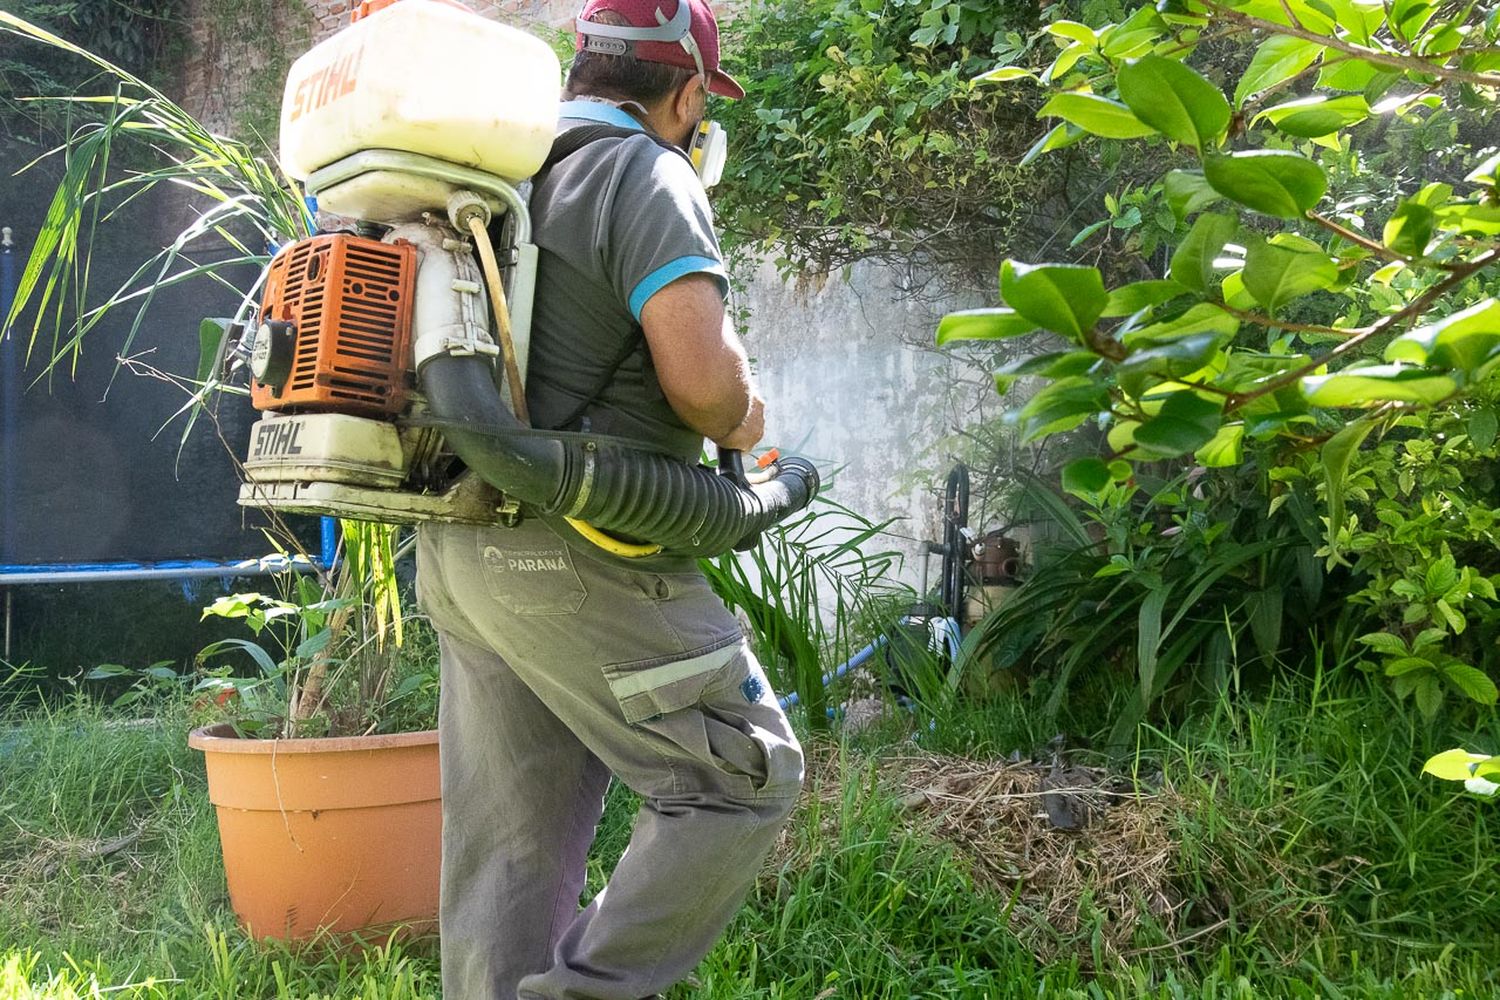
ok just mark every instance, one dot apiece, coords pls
pixel 687 509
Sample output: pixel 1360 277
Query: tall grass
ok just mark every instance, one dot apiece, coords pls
pixel 811 594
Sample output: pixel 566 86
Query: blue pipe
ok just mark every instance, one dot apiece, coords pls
pixel 853 663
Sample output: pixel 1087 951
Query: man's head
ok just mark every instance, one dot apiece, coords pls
pixel 661 54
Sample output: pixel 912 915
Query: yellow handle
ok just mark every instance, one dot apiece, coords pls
pixel 613 546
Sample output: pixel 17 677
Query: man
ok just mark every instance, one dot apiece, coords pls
pixel 562 665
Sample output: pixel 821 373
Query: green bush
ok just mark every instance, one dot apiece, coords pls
pixel 863 137
pixel 1313 321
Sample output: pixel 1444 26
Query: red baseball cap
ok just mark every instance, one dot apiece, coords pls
pixel 675 32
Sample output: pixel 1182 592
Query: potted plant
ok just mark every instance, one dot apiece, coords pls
pixel 328 820
pixel 329 812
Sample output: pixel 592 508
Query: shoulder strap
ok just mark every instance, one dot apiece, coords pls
pixel 574 139
pixel 566 144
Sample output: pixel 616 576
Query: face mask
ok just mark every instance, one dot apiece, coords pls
pixel 710 152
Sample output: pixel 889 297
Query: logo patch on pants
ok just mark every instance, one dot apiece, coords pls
pixel 532 581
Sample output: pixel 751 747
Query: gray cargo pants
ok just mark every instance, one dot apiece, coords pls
pixel 559 670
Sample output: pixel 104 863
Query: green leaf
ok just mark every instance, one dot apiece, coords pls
pixel 1096 115
pixel 1270 181
pixel 1061 406
pixel 1483 427
pixel 1225 450
pixel 1486 173
pixel 1278 59
pixel 1059 137
pixel 1403 665
pixel 1148 639
pixel 1476 219
pixel 1086 475
pixel 1203 318
pixel 1187 191
pixel 1410 228
pixel 1193 262
pixel 1276 276
pixel 1384 642
pixel 862 124
pixel 1185 423
pixel 1064 298
pixel 1005 74
pixel 1347 74
pixel 1454 765
pixel 1311 117
pixel 982 324
pixel 1055 364
pixel 1466 340
pixel 1378 384
pixel 1337 454
pixel 1429 696
pixel 1073 31
pixel 1175 100
pixel 1174 358
pixel 1134 297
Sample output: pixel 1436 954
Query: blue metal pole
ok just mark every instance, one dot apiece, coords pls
pixel 330 526
pixel 10 399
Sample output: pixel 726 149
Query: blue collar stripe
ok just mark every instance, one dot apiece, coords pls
pixel 606 114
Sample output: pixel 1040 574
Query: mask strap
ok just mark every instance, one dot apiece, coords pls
pixel 679 28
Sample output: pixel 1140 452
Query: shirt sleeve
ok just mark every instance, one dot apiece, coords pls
pixel 660 228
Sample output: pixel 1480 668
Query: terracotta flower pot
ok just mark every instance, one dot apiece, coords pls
pixel 330 835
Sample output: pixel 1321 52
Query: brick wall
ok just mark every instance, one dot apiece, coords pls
pixel 331 15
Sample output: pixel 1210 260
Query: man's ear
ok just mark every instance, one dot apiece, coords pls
pixel 686 97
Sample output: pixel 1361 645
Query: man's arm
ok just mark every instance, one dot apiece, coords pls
pixel 701 363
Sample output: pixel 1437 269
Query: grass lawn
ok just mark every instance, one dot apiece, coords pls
pixel 1282 848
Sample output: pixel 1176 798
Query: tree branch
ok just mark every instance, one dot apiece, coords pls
pixel 1418 305
pixel 1406 62
pixel 1260 319
pixel 1379 249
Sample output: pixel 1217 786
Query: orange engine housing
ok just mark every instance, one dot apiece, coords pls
pixel 349 300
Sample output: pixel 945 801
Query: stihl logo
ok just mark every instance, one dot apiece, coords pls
pixel 327 85
pixel 278 439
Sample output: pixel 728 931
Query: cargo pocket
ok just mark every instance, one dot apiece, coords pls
pixel 530 577
pixel 688 709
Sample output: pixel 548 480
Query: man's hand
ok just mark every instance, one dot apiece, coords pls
pixel 701 363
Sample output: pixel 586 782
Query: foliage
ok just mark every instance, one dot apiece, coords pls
pixel 1171 586
pixel 141 36
pixel 810 594
pixel 251 206
pixel 1199 360
pixel 1421 509
pixel 347 622
pixel 862 135
pixel 1316 308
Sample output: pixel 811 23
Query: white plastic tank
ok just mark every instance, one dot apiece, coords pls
pixel 423 76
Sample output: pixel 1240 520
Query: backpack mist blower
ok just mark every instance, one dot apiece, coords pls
pixel 384 392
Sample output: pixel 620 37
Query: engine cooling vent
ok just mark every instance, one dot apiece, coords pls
pixel 349 300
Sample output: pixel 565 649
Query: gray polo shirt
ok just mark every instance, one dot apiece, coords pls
pixel 616 222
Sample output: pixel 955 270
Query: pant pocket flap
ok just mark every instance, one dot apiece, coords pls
pixel 651 688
